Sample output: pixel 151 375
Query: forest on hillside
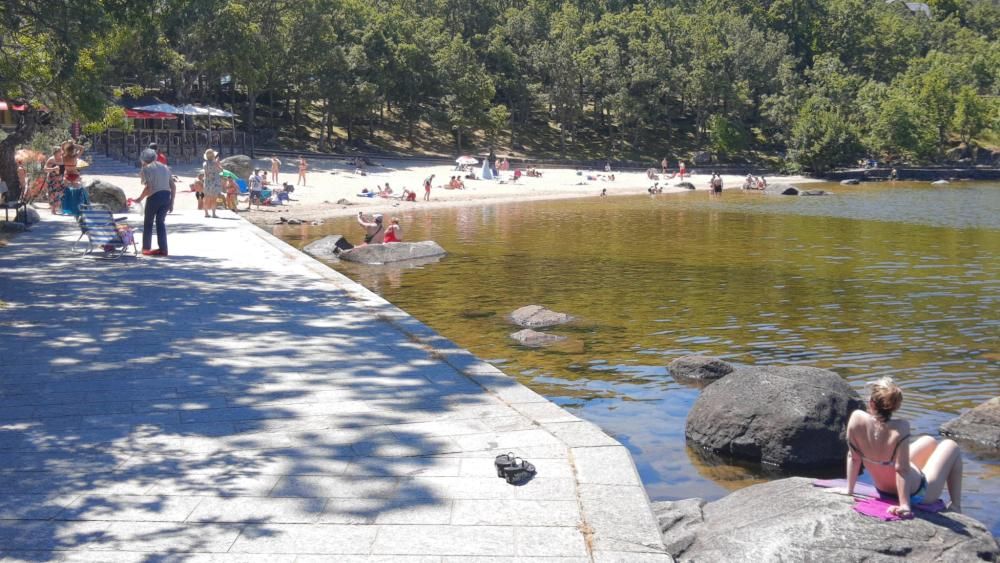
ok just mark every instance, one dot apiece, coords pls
pixel 814 83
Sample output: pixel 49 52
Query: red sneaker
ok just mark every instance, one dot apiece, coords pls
pixel 156 252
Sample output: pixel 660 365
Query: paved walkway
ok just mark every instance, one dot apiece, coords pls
pixel 239 401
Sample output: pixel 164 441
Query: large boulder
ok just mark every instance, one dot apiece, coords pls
pixel 328 246
pixel 790 520
pixel 239 164
pixel 980 425
pixel 28 216
pixel 536 316
pixel 785 416
pixel 107 194
pixel 392 252
pixel 699 368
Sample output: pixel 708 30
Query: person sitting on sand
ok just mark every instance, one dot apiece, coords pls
pixel 517 175
pixel 604 192
pixel 374 233
pixel 919 470
pixel 409 195
pixel 393 233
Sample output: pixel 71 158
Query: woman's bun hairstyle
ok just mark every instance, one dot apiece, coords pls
pixel 885 397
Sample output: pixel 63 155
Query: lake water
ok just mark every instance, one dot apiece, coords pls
pixel 875 280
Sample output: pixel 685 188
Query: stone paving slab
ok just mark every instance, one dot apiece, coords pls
pixel 239 401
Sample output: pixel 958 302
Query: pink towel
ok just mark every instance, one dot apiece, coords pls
pixel 879 508
pixel 875 504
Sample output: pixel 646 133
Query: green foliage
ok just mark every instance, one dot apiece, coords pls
pixel 628 79
pixel 822 137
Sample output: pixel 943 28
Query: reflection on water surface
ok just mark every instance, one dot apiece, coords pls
pixel 875 280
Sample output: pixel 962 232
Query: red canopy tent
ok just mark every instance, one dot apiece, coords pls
pixel 136 114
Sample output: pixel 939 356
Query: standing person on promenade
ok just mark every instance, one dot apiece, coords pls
pixel 275 168
pixel 160 156
pixel 374 233
pixel 303 166
pixel 393 233
pixel 212 168
pixel 159 192
pixel 916 472
pixel 54 178
pixel 427 187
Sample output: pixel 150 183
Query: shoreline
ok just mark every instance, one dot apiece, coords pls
pixel 334 180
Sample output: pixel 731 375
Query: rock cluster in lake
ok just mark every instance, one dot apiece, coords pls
pixel 790 520
pixel 784 416
pixel 535 316
pixel 375 254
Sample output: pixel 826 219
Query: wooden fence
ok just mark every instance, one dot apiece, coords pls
pixel 179 145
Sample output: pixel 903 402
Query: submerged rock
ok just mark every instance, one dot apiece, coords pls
pixel 699 368
pixel 980 425
pixel 940 183
pixel 536 316
pixel 685 185
pixel 103 193
pixel 533 338
pixel 790 520
pixel 375 254
pixel 327 246
pixel 781 189
pixel 813 192
pixel 787 416
pixel 850 182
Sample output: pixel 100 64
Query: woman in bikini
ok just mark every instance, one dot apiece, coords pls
pixel 303 166
pixel 54 178
pixel 920 470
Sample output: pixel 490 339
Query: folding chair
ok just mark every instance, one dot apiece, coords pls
pixel 104 232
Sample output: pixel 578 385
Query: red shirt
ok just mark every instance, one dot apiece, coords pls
pixel 161 158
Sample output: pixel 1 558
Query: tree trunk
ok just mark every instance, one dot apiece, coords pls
pixel 458 139
pixel 27 122
pixel 297 114
pixel 252 109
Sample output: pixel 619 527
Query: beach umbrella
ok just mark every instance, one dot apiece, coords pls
pixel 160 108
pixel 228 174
pixel 467 160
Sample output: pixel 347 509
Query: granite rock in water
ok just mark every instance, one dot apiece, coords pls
pixel 850 182
pixel 536 316
pixel 392 252
pixel 781 189
pixel 980 425
pixel 786 416
pixel 107 194
pixel 533 338
pixel 790 520
pixel 685 185
pixel 239 164
pixel 701 368
pixel 812 192
pixel 327 246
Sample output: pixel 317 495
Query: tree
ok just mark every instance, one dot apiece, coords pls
pixel 47 61
pixel 468 89
pixel 972 113
pixel 822 137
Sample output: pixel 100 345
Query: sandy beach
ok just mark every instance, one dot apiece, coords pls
pixel 333 185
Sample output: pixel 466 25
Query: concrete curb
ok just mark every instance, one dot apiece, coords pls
pixel 607 482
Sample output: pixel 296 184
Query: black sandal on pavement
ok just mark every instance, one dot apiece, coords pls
pixel 520 471
pixel 502 462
